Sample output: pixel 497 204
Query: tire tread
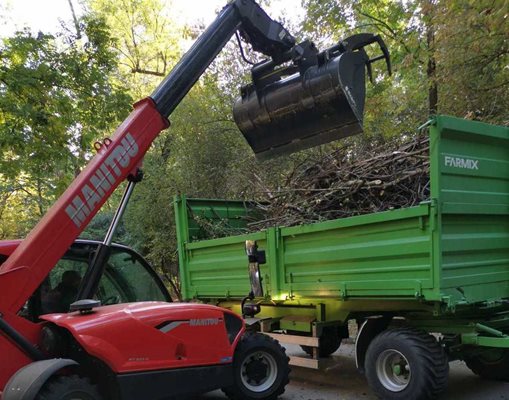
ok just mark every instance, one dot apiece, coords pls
pixel 434 360
pixel 233 392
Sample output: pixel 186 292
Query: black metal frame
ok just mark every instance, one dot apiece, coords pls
pixel 175 383
pixel 93 275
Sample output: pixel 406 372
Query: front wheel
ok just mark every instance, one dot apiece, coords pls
pixel 260 369
pixel 405 363
pixel 68 388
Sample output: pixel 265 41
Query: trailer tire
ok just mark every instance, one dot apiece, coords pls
pixel 68 388
pixel 260 369
pixel 404 363
pixel 329 343
pixel 490 365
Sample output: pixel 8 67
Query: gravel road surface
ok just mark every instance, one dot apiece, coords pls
pixel 341 381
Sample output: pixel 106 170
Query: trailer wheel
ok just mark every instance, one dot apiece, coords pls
pixel 68 388
pixel 260 369
pixel 404 363
pixel 329 342
pixel 491 364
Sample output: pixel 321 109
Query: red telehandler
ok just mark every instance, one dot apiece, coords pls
pixel 299 97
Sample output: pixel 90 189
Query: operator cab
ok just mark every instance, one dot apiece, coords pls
pixel 127 278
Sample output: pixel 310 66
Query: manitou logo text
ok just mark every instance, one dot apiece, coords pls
pixel 465 163
pixel 93 192
pixel 204 322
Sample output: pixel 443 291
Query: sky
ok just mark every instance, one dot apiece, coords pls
pixel 44 15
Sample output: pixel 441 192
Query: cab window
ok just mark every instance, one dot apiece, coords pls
pixel 125 271
pixel 126 278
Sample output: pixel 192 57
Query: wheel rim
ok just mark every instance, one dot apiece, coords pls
pixel 258 371
pixel 393 370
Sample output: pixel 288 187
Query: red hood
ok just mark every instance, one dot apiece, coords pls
pixel 151 312
pixel 150 335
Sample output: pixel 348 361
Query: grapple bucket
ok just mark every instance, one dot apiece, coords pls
pixel 312 107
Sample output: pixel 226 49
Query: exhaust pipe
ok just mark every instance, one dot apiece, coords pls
pixel 316 100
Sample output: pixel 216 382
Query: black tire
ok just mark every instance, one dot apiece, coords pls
pixel 404 363
pixel 260 368
pixel 68 388
pixel 329 342
pixel 492 364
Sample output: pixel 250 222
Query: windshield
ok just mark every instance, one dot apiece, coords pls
pixel 127 278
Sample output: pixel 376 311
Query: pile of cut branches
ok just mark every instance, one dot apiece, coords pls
pixel 348 182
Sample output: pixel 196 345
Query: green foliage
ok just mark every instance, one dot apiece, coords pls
pixel 97 228
pixel 55 100
pixel 473 59
pixel 147 40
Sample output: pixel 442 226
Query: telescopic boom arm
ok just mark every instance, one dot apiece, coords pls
pixel 68 217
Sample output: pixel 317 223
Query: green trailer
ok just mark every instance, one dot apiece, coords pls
pixel 426 284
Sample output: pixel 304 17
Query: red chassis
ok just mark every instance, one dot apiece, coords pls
pixel 102 334
pixel 179 348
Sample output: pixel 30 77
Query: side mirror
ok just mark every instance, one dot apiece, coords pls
pixel 255 258
pixel 85 306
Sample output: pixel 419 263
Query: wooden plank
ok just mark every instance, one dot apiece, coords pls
pixel 315 350
pixel 266 325
pixel 305 362
pixel 294 339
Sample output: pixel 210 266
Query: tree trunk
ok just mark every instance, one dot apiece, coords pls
pixel 429 9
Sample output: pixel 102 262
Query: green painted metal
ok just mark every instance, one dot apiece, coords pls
pixel 331 309
pixel 351 257
pixel 442 256
pixel 470 182
pixel 485 341
pixel 293 323
pixel 218 259
pixel 490 331
pixel 373 255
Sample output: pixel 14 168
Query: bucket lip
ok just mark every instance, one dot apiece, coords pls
pixel 310 141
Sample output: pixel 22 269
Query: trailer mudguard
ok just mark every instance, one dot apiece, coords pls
pixel 368 331
pixel 26 383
